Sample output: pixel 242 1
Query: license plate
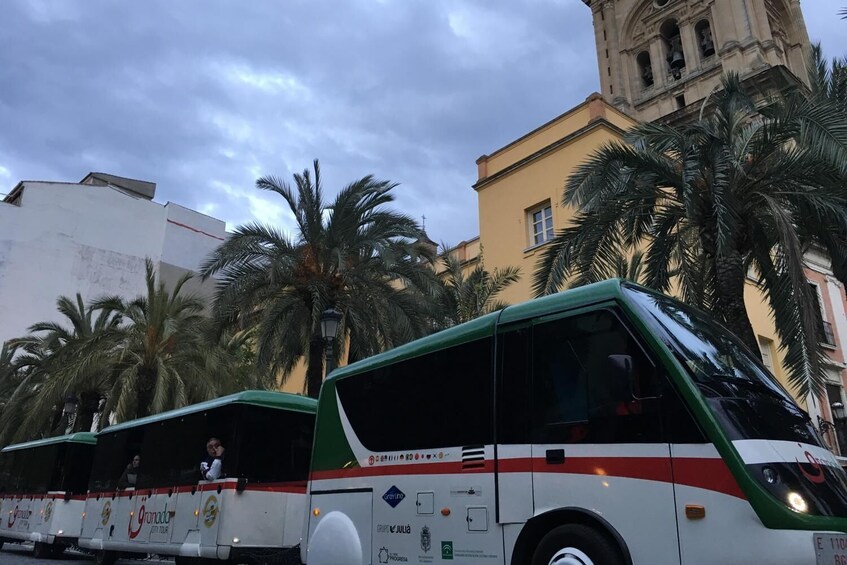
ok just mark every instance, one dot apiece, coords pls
pixel 831 549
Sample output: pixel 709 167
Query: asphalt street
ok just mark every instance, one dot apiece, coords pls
pixel 21 554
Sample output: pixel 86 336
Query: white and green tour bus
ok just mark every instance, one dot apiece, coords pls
pixel 42 491
pixel 606 425
pixel 252 513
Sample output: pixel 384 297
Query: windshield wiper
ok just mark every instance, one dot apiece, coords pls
pixel 760 387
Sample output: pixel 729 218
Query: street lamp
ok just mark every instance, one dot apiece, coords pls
pixel 837 411
pixel 70 405
pixel 826 427
pixel 330 319
pixel 69 412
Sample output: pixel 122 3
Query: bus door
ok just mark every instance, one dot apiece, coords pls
pixel 597 440
pixel 186 504
pixel 514 448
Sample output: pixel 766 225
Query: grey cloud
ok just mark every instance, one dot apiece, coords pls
pixel 202 96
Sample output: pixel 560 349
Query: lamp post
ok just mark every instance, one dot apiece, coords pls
pixel 330 319
pixel 826 428
pixel 69 411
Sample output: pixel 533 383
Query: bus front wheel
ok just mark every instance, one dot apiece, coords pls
pixel 575 544
pixel 42 550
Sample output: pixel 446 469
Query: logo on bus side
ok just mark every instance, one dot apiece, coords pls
pixel 447 550
pixel 106 513
pixel 145 517
pixel 426 540
pixel 48 512
pixel 393 496
pixel 210 511
pixel 18 513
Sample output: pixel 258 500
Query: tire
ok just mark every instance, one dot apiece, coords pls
pixel 103 557
pixel 59 550
pixel 42 550
pixel 575 544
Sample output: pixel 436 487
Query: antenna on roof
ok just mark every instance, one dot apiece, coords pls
pixel 423 222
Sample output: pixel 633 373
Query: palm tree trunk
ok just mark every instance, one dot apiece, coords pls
pixel 146 382
pixel 315 369
pixel 730 275
pixel 88 403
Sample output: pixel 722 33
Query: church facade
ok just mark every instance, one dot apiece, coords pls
pixel 659 59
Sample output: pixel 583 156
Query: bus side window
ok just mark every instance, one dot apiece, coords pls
pixel 579 397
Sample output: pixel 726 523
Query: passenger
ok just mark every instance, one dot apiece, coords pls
pixel 130 474
pixel 211 468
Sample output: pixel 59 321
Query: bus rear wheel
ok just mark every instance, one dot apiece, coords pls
pixel 575 544
pixel 103 557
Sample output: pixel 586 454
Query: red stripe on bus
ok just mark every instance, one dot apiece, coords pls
pixel 709 474
pixel 705 473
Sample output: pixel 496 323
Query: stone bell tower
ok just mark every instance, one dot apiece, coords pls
pixel 659 59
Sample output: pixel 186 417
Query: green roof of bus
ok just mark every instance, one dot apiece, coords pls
pixel 485 326
pixel 80 437
pixel 264 398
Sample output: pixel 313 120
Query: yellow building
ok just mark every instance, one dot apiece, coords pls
pixel 688 45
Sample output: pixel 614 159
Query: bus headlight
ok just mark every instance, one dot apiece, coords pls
pixel 797 502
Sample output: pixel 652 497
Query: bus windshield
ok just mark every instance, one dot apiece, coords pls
pixel 745 397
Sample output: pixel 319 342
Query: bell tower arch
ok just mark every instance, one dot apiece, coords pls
pixel 659 58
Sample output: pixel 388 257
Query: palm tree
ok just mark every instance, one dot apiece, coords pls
pixel 475 294
pixel 828 78
pixel 9 378
pixel 708 201
pixel 49 349
pixel 160 358
pixel 353 254
pixel 31 363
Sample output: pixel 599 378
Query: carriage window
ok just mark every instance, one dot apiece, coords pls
pixel 172 449
pixel 280 456
pixel 113 453
pixel 5 471
pixel 76 467
pixel 439 399
pixel 581 395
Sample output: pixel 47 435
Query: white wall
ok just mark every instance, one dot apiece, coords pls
pixel 68 238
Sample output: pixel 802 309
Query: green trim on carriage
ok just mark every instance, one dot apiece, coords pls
pixel 457 335
pixel 79 437
pixel 263 398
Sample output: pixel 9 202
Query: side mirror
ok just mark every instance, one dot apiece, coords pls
pixel 241 485
pixel 621 367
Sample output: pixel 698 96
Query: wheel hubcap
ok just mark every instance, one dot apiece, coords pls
pixel 570 556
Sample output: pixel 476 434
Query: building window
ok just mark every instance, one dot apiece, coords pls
pixel 766 349
pixel 826 335
pixel 541 224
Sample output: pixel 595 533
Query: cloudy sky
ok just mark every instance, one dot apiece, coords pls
pixel 204 96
